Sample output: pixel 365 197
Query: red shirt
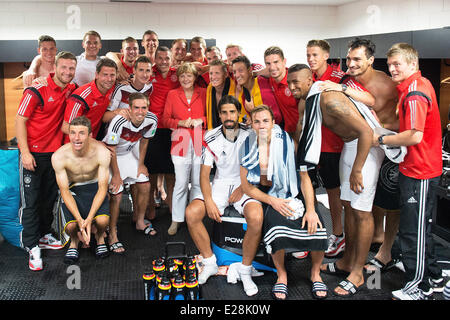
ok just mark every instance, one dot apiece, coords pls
pixel 287 103
pixel 88 101
pixel 129 69
pixel 44 107
pixel 178 108
pixel 161 87
pixel 418 109
pixel 330 141
pixel 205 76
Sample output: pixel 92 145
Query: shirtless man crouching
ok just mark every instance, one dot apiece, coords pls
pixel 82 173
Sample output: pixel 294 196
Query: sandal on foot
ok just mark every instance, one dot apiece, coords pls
pixel 115 246
pixel 101 251
pixel 319 286
pixel 332 268
pixel 380 265
pixel 280 288
pixel 149 230
pixel 347 286
pixel 72 256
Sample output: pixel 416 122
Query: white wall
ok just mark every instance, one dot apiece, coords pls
pixel 255 27
pixel 383 16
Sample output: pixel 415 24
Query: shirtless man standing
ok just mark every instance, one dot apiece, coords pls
pixel 359 164
pixel 360 58
pixel 82 174
pixel 44 63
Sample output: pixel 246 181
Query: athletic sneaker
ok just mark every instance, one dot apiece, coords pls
pixel 300 254
pixel 416 294
pixel 336 245
pixel 436 284
pixel 50 242
pixel 35 262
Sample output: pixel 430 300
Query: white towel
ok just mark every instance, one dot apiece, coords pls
pixel 311 139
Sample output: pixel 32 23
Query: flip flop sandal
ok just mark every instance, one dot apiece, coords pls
pixel 280 288
pixel 349 287
pixel 116 245
pixel 380 265
pixel 101 251
pixel 72 256
pixel 333 269
pixel 319 286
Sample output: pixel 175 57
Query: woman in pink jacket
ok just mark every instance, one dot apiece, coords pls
pixel 184 113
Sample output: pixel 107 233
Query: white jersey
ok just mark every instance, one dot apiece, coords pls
pixel 224 153
pixel 85 71
pixel 123 134
pixel 119 98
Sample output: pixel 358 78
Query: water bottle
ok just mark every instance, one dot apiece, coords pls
pixel 149 285
pixel 178 286
pixel 172 269
pixel 158 266
pixel 190 265
pixel 179 263
pixel 164 288
pixel 191 287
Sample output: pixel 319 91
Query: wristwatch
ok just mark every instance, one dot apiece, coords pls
pixel 380 140
pixel 344 88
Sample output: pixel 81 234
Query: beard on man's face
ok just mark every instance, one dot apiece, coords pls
pixel 230 124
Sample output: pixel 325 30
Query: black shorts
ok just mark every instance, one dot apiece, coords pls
pixel 329 169
pixel 158 159
pixel 84 195
pixel 387 195
pixel 314 176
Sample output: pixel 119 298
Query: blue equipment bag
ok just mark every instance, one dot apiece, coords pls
pixel 10 226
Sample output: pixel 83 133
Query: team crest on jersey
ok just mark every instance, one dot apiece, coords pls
pixel 287 92
pixel 112 139
pixel 174 78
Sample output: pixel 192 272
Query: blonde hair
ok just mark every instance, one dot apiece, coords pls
pixel 234 46
pixel 187 67
pixel 261 108
pixel 406 50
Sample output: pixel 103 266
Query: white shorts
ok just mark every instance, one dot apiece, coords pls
pixel 370 173
pixel 128 168
pixel 221 192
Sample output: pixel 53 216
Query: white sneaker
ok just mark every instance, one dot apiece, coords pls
pixel 50 242
pixel 35 261
pixel 417 294
pixel 210 268
pixel 335 246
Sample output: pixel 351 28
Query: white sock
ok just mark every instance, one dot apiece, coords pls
pixel 210 268
pixel 245 273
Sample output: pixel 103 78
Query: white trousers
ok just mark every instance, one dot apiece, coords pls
pixel 187 170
